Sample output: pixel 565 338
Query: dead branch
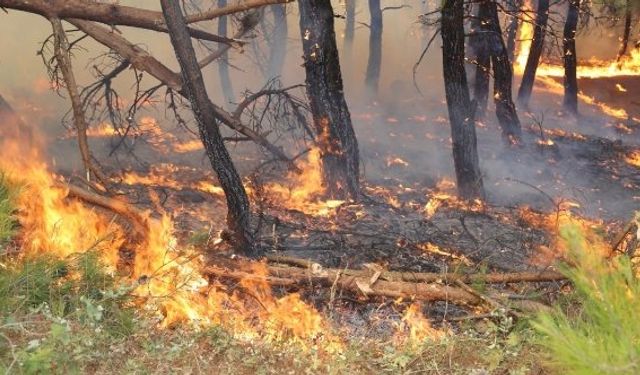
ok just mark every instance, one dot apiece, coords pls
pixel 234 8
pixel 249 23
pixel 110 14
pixel 141 60
pixel 61 48
pixel 136 218
pixel 281 276
pixel 488 278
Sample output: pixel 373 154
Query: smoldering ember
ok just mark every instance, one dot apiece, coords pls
pixel 314 186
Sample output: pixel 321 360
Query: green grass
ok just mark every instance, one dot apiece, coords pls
pixel 7 209
pixel 604 336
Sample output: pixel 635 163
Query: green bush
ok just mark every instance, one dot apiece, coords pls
pixel 75 288
pixel 7 210
pixel 604 336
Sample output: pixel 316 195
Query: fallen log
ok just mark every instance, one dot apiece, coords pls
pixel 121 15
pixel 137 218
pixel 357 285
pixel 447 278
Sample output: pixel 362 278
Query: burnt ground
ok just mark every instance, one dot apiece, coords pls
pixel 405 151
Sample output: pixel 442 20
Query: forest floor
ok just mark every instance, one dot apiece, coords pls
pixel 410 222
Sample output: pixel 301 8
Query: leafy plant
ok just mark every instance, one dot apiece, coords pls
pixel 7 209
pixel 604 338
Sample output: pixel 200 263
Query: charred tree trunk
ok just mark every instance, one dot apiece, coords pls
pixel 349 29
pixel 279 39
pixel 372 79
pixel 533 60
pixel 624 43
pixel 238 213
pixel 570 59
pixel 223 63
pixel 461 116
pixel 513 6
pixel 482 60
pixel 502 72
pixel 63 59
pixel 335 135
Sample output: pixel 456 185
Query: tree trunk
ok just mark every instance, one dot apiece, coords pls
pixel 349 29
pixel 372 78
pixel 335 135
pixel 279 40
pixel 513 6
pixel 570 58
pixel 62 55
pixel 482 60
pixel 238 213
pixel 461 116
pixel 533 60
pixel 627 30
pixel 223 63
pixel 502 72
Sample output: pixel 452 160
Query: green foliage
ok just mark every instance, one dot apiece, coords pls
pixel 605 337
pixel 75 288
pixel 7 210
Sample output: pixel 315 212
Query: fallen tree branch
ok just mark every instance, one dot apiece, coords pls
pixel 112 14
pixel 137 218
pixel 142 60
pixel 488 278
pixel 280 276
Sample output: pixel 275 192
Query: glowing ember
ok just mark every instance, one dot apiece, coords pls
pixel 633 159
pixel 620 88
pixel 396 161
pixel 165 175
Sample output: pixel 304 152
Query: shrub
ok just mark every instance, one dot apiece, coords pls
pixel 604 337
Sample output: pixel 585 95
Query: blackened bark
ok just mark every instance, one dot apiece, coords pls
pixel 502 72
pixel 335 135
pixel 482 60
pixel 349 29
pixel 513 6
pixel 372 78
pixel 570 60
pixel 533 60
pixel 278 39
pixel 461 117
pixel 223 63
pixel 238 213
pixel 624 43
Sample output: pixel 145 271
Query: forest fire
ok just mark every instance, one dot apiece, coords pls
pixel 284 215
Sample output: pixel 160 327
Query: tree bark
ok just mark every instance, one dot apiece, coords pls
pixel 502 72
pixel 461 116
pixel 332 120
pixel 238 213
pixel 372 78
pixel 533 60
pixel 349 29
pixel 513 6
pixel 482 60
pixel 278 40
pixel 223 62
pixel 570 59
pixel 624 43
pixel 61 51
